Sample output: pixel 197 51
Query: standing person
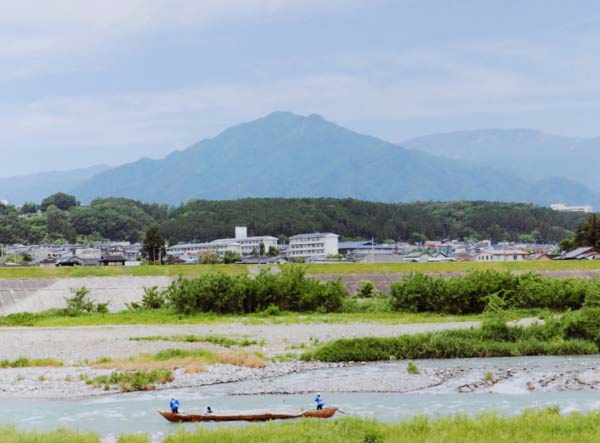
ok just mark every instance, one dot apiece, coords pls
pixel 174 404
pixel 320 402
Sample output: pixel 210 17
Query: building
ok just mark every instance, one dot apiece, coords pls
pixel 313 245
pixel 241 244
pixel 564 208
pixel 501 255
pixel 582 253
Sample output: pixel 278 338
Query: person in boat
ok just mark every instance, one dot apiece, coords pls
pixel 320 402
pixel 209 410
pixel 174 405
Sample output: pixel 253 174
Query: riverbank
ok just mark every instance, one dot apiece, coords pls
pixel 281 347
pixel 545 425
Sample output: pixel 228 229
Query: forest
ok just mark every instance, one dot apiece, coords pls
pixel 61 218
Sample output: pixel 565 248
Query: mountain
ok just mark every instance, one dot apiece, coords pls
pixel 528 153
pixel 34 188
pixel 288 155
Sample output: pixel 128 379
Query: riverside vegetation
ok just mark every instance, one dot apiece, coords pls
pixel 290 296
pixel 575 333
pixel 534 426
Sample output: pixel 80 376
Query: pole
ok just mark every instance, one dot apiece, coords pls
pixel 372 250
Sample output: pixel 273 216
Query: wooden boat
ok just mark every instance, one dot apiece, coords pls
pixel 249 416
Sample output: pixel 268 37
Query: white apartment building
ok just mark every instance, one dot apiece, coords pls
pixel 241 244
pixel 313 245
pixel 564 208
pixel 501 255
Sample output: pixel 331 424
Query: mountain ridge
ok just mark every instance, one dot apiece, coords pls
pixel 289 155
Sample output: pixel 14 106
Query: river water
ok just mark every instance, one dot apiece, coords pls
pixel 129 413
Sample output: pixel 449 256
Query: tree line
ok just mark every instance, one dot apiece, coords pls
pixel 61 218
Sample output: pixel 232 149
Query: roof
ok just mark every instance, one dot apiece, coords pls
pixel 576 253
pixel 315 234
pixel 113 258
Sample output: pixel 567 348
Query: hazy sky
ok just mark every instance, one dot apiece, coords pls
pixel 89 82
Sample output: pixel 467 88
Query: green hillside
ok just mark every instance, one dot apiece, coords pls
pixel 287 155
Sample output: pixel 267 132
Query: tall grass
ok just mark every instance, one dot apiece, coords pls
pixel 575 334
pixel 532 427
pixel 192 361
pixel 11 435
pixel 536 426
pixel 131 381
pixel 221 340
pixel 24 362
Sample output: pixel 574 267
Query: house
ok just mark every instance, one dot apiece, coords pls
pixel 78 261
pixel 501 255
pixel 582 253
pixel 316 244
pixel 47 262
pixel 540 257
pixel 112 260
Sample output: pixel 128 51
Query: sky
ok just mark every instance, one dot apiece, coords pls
pixel 86 83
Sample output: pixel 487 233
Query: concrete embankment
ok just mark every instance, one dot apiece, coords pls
pixel 37 295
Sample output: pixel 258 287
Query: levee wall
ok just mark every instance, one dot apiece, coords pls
pixel 37 295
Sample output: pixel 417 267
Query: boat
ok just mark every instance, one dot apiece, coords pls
pixel 263 415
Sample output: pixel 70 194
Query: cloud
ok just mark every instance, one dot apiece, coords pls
pixel 37 28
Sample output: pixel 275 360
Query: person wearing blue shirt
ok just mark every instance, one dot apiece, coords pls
pixel 320 402
pixel 174 404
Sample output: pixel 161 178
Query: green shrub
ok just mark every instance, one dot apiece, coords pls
pixel 471 293
pixel 153 298
pixel 288 290
pixel 366 289
pixel 412 368
pixel 493 339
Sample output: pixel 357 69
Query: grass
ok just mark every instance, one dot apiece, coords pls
pixel 24 362
pixel 117 271
pixel 412 368
pixel 493 339
pixel 131 381
pixel 165 316
pixel 11 435
pixel 450 267
pixel 535 426
pixel 330 268
pixel 191 360
pixel 219 340
pixel 531 427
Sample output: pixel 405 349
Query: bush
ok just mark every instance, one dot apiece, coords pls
pixel 366 289
pixel 470 294
pixel 153 298
pixel 81 302
pixel 288 290
pixel 572 336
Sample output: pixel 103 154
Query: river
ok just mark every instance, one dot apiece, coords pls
pixel 136 412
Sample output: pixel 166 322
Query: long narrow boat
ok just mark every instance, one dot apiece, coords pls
pixel 249 416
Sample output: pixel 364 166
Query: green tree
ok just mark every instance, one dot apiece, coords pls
pixel 588 233
pixel 261 249
pixel 59 225
pixel 60 200
pixel 231 257
pixel 154 245
pixel 29 208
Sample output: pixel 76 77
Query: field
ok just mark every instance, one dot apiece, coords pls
pixel 332 268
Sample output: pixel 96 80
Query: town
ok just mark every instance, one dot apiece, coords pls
pixel 301 248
